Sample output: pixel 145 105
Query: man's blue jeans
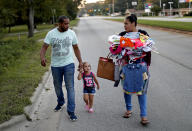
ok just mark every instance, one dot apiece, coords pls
pixel 68 73
pixel 142 103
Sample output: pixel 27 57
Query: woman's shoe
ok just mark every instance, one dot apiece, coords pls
pixel 144 122
pixel 127 114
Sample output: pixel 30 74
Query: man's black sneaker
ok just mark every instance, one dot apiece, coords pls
pixel 58 108
pixel 72 116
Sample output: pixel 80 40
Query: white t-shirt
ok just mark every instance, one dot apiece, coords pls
pixel 61 43
pixel 132 35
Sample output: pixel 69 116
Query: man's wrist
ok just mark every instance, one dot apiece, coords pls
pixel 80 63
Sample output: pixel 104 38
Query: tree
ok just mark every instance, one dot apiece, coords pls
pixel 96 9
pixel 156 9
pixel 30 12
pixel 140 5
pixel 7 14
pixel 122 5
pixel 31 18
pixel 8 18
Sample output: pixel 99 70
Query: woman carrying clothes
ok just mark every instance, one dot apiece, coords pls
pixel 131 69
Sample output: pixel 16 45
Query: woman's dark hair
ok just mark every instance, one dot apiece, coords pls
pixel 132 18
pixel 62 18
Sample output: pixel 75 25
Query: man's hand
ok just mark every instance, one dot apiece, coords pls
pixel 43 62
pixel 42 54
pixel 80 67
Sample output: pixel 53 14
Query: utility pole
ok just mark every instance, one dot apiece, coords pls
pixel 164 9
pixel 113 6
pixel 160 3
pixel 109 10
pixel 170 7
pixel 53 13
pixel 127 5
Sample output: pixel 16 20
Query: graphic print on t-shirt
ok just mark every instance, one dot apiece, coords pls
pixel 61 46
pixel 89 82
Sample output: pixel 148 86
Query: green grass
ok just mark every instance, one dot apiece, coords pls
pixel 23 28
pixel 186 17
pixel 16 29
pixel 184 26
pixel 21 75
pixel 74 22
pixel 20 72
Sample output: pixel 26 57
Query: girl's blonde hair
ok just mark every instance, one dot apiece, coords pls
pixel 85 63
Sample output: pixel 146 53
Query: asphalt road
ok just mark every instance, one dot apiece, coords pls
pixel 169 94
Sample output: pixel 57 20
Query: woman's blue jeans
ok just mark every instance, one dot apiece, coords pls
pixel 142 103
pixel 68 73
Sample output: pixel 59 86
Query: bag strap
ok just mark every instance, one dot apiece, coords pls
pixel 109 55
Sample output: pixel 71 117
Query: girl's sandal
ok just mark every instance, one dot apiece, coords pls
pixel 127 115
pixel 144 122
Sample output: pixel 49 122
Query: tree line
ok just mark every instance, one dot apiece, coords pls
pixel 33 12
pixel 122 5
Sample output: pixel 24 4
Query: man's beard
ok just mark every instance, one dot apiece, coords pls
pixel 63 29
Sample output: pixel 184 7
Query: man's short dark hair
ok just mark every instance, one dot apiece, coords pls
pixel 62 18
pixel 132 18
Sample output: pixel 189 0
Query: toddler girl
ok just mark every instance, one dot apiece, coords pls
pixel 89 81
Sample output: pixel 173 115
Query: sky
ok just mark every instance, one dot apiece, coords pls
pixel 91 1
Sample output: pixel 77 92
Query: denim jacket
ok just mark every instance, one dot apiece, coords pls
pixel 133 76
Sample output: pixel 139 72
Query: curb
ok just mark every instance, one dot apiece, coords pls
pixel 28 110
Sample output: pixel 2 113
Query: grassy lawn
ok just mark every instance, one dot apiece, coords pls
pixel 187 16
pixel 184 26
pixel 20 72
pixel 23 28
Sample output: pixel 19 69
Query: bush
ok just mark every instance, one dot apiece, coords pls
pixel 146 14
pixel 156 9
pixel 189 14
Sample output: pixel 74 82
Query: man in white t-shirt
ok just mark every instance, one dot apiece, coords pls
pixel 63 42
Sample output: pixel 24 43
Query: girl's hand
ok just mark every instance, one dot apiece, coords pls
pixel 81 70
pixel 98 87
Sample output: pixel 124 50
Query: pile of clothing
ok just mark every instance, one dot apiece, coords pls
pixel 128 52
pixel 132 46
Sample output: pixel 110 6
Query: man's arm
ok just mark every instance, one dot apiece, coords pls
pixel 42 54
pixel 78 55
